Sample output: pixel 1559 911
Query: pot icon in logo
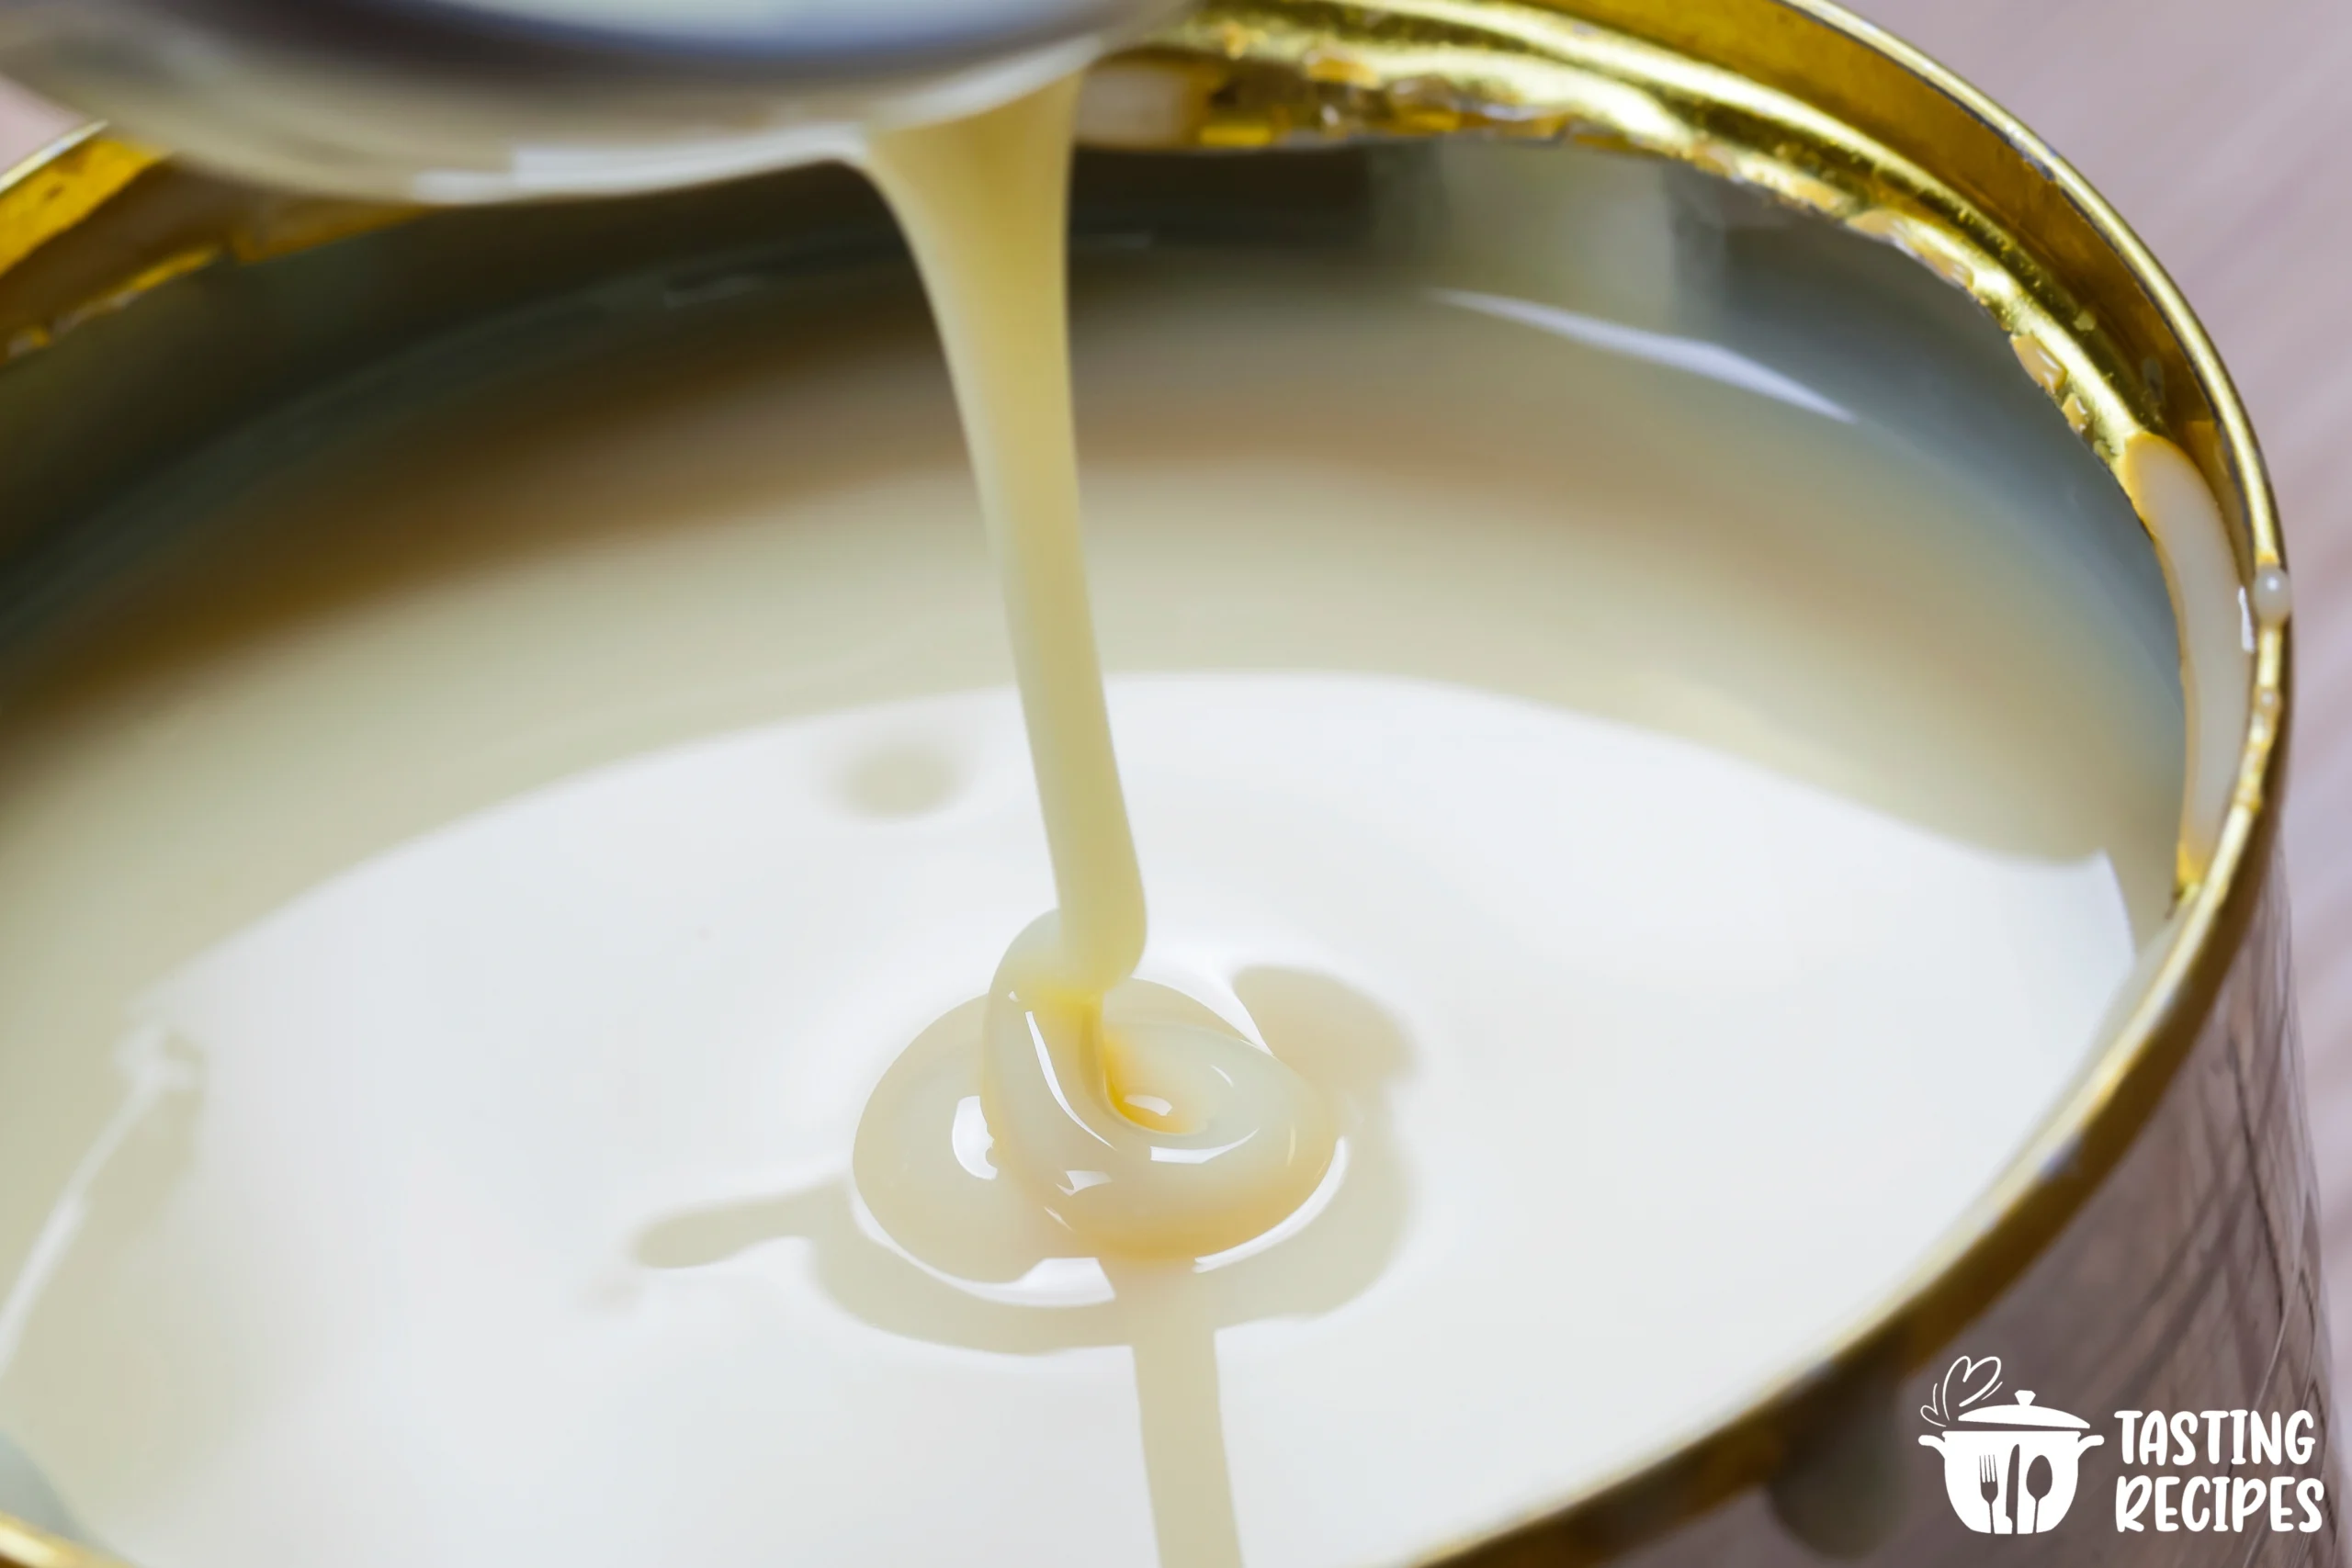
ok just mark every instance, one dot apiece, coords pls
pixel 2008 1468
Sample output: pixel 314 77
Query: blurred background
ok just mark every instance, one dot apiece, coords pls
pixel 2218 128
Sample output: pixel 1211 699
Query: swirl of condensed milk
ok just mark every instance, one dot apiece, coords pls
pixel 1142 1130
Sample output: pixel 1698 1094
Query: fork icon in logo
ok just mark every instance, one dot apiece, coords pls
pixel 1988 1487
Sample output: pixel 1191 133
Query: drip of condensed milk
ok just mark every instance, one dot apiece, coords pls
pixel 2217 622
pixel 1142 1133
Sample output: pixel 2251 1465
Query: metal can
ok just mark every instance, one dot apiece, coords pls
pixel 2152 1250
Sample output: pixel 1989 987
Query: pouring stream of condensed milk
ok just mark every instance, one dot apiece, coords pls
pixel 1153 1134
pixel 1142 1133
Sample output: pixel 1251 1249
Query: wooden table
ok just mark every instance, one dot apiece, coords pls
pixel 2219 129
